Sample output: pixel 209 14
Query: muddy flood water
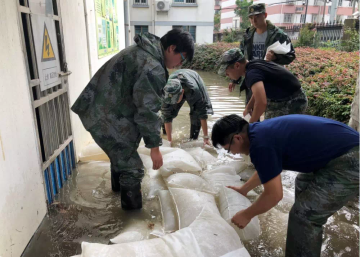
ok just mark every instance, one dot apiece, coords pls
pixel 87 209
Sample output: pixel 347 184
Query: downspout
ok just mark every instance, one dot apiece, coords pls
pixel 153 15
pixel 126 22
pixel 281 18
pixel 87 37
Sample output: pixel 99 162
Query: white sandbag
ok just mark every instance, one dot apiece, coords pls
pixel 179 244
pixel 247 173
pixel 179 161
pixel 214 235
pixel 134 231
pixel 232 202
pixel 192 144
pixel 168 212
pixel 202 157
pixel 223 169
pixel 217 180
pixel 239 166
pixel 189 181
pixel 92 152
pixel 163 150
pixel 237 253
pixel 148 164
pixel 189 203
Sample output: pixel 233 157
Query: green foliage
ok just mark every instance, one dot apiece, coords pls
pixel 352 43
pixel 231 36
pixel 242 11
pixel 217 18
pixel 308 37
pixel 327 76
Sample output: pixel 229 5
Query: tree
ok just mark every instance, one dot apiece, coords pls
pixel 242 11
pixel 217 22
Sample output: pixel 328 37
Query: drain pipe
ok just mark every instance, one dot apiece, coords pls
pixel 87 37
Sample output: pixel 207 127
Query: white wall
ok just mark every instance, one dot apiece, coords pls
pixel 204 34
pixel 76 51
pixel 22 198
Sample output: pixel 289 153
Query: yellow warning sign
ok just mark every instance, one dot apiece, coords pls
pixel 48 51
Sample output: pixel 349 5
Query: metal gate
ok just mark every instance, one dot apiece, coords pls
pixel 50 105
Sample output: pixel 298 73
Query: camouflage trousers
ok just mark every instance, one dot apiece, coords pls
pixel 120 138
pixel 318 195
pixel 295 104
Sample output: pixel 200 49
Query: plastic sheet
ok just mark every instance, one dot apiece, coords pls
pixel 189 181
pixel 279 48
pixel 237 253
pixel 227 170
pixel 189 203
pixel 232 202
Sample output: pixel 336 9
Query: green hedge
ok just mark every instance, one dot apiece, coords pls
pixel 328 76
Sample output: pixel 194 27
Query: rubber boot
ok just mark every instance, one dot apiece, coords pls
pixel 115 181
pixel 194 131
pixel 131 197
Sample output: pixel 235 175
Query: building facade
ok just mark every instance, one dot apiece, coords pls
pixel 160 16
pixel 290 12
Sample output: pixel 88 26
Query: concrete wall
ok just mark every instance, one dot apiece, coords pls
pixel 22 198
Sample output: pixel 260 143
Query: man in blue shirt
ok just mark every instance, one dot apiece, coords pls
pixel 325 152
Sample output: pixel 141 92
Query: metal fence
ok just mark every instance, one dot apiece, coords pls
pixel 332 31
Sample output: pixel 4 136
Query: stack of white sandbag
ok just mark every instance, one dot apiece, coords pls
pixel 200 239
pixel 192 222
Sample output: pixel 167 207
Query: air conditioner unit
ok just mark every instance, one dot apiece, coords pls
pixel 162 6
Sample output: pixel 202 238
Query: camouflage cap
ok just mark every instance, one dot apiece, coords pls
pixel 172 91
pixel 229 57
pixel 256 9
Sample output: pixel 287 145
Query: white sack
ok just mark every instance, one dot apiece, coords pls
pixel 189 181
pixel 237 253
pixel 168 212
pixel 189 203
pixel 179 161
pixel 224 169
pixel 232 202
pixel 202 157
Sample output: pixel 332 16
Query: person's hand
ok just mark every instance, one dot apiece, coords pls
pixel 247 111
pixel 207 141
pixel 270 56
pixel 156 158
pixel 231 86
pixel 240 190
pixel 240 219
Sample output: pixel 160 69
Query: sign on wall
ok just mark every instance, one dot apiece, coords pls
pixel 107 27
pixel 46 47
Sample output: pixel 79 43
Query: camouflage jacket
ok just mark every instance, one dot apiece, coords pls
pixel 274 34
pixel 195 94
pixel 128 86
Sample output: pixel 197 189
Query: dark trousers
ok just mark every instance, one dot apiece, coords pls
pixel 319 195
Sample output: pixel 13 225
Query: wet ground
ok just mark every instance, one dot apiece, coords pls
pixel 87 209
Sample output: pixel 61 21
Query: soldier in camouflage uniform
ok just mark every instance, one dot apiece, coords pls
pixel 276 91
pixel 120 106
pixel 324 152
pixel 258 38
pixel 186 85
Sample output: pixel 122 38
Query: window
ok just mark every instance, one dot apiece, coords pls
pixel 288 17
pixel 340 3
pixel 140 2
pixel 338 18
pixel 185 1
pixel 302 18
pixel 191 29
pixel 217 11
pixel 141 29
pixel 314 18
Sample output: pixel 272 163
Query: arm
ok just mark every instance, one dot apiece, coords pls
pixel 259 95
pixel 205 131
pixel 168 129
pixel 249 107
pixel 253 182
pixel 147 99
pixel 272 194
